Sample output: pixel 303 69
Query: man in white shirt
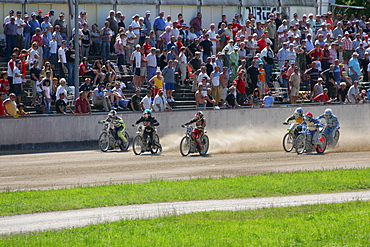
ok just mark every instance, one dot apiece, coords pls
pixel 353 93
pixel 152 63
pixel 146 102
pixel 160 103
pixel 21 24
pixel 136 28
pixel 136 64
pixel 62 60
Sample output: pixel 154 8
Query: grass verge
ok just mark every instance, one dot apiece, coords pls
pixel 344 224
pixel 274 184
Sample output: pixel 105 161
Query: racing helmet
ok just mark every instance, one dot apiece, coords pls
pixel 308 116
pixel 328 112
pixel 298 112
pixel 112 114
pixel 147 113
pixel 199 114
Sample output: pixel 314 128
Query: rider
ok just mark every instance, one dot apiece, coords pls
pixel 297 116
pixel 148 122
pixel 200 122
pixel 313 126
pixel 119 126
pixel 332 123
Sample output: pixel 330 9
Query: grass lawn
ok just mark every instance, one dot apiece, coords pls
pixel 274 184
pixel 345 224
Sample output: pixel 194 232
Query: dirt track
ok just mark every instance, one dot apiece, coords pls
pixel 69 169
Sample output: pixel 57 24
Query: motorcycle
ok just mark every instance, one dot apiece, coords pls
pixel 139 145
pixel 332 142
pixel 188 145
pixel 289 137
pixel 108 139
pixel 304 144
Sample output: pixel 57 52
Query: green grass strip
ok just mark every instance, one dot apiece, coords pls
pixel 274 184
pixel 344 224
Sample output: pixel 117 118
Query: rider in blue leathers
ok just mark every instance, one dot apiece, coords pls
pixel 313 126
pixel 332 124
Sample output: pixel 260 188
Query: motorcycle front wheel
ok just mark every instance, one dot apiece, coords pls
pixel 335 138
pixel 185 146
pixel 137 145
pixel 322 147
pixel 300 144
pixel 104 142
pixel 288 142
pixel 205 144
pixel 156 146
pixel 124 146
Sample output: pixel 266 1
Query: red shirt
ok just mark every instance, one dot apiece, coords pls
pixel 4 84
pixel 83 103
pixel 261 44
pixel 321 97
pixel 240 85
pixel 147 48
pixel 24 68
pixel 2 109
pixel 236 27
pixel 82 69
pixel 179 45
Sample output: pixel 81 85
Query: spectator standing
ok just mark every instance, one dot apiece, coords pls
pixel 207 47
pixel 113 26
pixel 353 93
pixel 196 23
pixel 20 24
pixel 121 20
pixel 147 22
pixel 136 28
pixel 62 60
pixel 106 36
pixel 152 64
pixel 46 25
pixel 26 32
pixel 294 82
pixel 46 48
pixel 354 67
pixel 2 107
pixel 169 80
pixel 10 31
pixel 36 83
pixel 215 81
pixel 159 26
pixel 86 40
pixel 240 86
pixel 267 55
pixel 135 101
pixel 146 102
pixel 62 23
pixel 10 106
pixel 34 23
pixel 70 58
pixel 4 84
pixel 96 40
pixel 313 74
pixel 119 48
pixel 130 35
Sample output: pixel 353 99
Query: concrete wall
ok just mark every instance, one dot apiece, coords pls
pixel 70 129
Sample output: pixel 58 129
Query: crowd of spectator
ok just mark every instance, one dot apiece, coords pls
pixel 228 64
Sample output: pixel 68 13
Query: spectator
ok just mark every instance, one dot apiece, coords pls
pixel 113 26
pixel 46 96
pixel 159 26
pixel 267 55
pixel 82 105
pixel 36 83
pixel 34 23
pixel 354 67
pixel 10 31
pixel 353 93
pixel 61 106
pixel 86 86
pixel 38 38
pixel 313 74
pixel 62 60
pixel 100 99
pixel 240 86
pixel 46 25
pixel 62 23
pixel 135 101
pixel 147 23
pixel 146 102
pixel 230 100
pixel 130 35
pixel 136 59
pixel 215 82
pixel 4 84
pixel 119 49
pixel 268 100
pixel 17 81
pixel 26 32
pixel 63 89
pixel 323 97
pixel 160 103
pixel 46 48
pixel 342 93
pixel 329 77
pixel 136 28
pixel 196 23
pixel 86 40
pixel 96 40
pixel 169 80
pixel 2 107
pixel 318 88
pixel 200 100
pixel 105 36
pixel 10 106
pixel 120 20
pixel 294 82
pixel 70 58
pixel 152 64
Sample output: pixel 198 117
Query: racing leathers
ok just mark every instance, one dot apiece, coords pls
pixel 119 127
pixel 297 125
pixel 331 125
pixel 313 129
pixel 149 123
pixel 200 124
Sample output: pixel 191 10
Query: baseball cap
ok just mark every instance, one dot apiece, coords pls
pixel 39 10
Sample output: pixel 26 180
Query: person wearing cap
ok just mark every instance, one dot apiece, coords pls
pixel 267 56
pixel 106 36
pixel 207 46
pixel 62 23
pixel 294 20
pixel 329 78
pixel 137 28
pixel 21 24
pixel 294 83
pixel 354 68
pixel 338 30
pixel 82 18
pixel 26 32
pixel 169 80
pixel 10 31
pixel 135 100
pixel 46 47
pixel 7 19
pixel 313 74
pixel 234 62
pixel 136 61
pixel 46 25
pixel 86 40
pixel 196 22
pixel 159 26
pixel 34 23
pixel 282 54
pixel 347 47
pixel 160 103
pixel 147 23
pixel 39 17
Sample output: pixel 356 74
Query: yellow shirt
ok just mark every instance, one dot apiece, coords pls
pixel 158 83
pixel 11 108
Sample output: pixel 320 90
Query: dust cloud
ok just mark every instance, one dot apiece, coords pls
pixel 244 140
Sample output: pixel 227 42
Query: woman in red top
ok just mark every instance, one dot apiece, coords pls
pixel 84 68
pixel 4 83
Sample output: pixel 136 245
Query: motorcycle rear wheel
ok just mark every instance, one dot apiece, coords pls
pixel 205 144
pixel 288 142
pixel 335 138
pixel 321 148
pixel 300 144
pixel 156 146
pixel 104 142
pixel 124 146
pixel 185 146
pixel 137 145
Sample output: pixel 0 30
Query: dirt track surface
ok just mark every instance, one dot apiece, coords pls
pixel 44 171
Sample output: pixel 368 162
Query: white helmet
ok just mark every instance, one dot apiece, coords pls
pixel 298 112
pixel 328 112
pixel 112 114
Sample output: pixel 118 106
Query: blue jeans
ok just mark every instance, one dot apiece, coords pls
pixel 47 106
pixel 27 40
pixel 151 72
pixel 121 60
pixel 11 42
pixel 71 73
pixel 268 69
pixel 285 86
pixel 105 51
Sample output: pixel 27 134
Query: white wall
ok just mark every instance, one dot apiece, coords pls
pixel 81 128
